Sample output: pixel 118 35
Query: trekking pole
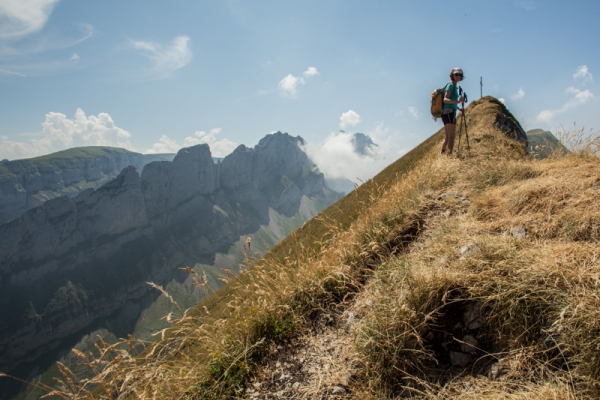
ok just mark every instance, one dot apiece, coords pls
pixel 464 120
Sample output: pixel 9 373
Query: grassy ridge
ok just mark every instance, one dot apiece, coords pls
pixel 488 250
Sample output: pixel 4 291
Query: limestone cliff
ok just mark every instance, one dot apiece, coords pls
pixel 71 261
pixel 25 184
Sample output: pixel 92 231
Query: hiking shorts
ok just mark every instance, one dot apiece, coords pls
pixel 449 118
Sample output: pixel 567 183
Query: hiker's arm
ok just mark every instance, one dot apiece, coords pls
pixel 448 101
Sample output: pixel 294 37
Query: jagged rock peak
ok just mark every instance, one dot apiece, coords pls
pixel 279 137
pixel 362 143
pixel 127 177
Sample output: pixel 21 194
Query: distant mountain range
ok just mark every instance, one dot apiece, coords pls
pixel 28 183
pixel 78 261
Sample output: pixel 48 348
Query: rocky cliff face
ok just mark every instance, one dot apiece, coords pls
pixel 73 260
pixel 362 144
pixel 25 184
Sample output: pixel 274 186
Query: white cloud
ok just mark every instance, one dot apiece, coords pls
pixel 336 158
pixel 37 55
pixel 579 97
pixel 349 118
pixel 218 148
pixel 545 116
pixel 164 145
pixel 311 71
pixel 288 86
pixel 583 73
pixel 22 17
pixel 414 112
pixel 519 95
pixel 165 59
pixel 502 100
pixel 60 132
pixel 75 57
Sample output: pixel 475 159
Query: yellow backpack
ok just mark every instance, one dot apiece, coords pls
pixel 437 102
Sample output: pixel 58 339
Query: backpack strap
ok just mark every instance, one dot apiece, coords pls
pixel 444 95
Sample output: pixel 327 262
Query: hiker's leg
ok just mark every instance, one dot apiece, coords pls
pixel 446 120
pixel 450 134
pixel 445 144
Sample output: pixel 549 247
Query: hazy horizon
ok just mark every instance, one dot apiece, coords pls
pixel 153 78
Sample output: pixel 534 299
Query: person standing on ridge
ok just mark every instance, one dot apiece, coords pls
pixel 451 101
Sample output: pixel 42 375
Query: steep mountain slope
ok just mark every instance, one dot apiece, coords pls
pixel 25 184
pixel 474 276
pixel 73 261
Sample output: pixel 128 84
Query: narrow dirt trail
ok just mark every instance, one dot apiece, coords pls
pixel 322 362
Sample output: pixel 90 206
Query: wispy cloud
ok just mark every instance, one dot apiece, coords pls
pixel 59 132
pixel 166 59
pixel 526 4
pixel 519 95
pixel 288 86
pixel 577 95
pixel 35 54
pixel 218 148
pixel 578 98
pixel 19 18
pixel 4 71
pixel 349 118
pixel 414 112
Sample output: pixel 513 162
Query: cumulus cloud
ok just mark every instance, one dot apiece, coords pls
pixel 583 73
pixel 60 132
pixel 22 17
pixel 336 157
pixel 519 95
pixel 349 118
pixel 288 86
pixel 165 59
pixel 218 148
pixel 164 145
pixel 311 71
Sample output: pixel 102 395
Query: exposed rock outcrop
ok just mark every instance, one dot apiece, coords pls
pixel 362 143
pixel 73 260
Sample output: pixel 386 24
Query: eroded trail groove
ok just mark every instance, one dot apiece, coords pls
pixel 322 362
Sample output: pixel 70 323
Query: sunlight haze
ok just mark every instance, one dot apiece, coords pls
pixel 153 76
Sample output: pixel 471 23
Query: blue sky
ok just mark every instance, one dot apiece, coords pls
pixel 155 76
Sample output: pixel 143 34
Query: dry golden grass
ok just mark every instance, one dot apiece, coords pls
pixel 390 255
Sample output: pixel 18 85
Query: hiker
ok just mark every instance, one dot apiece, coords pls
pixel 451 101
